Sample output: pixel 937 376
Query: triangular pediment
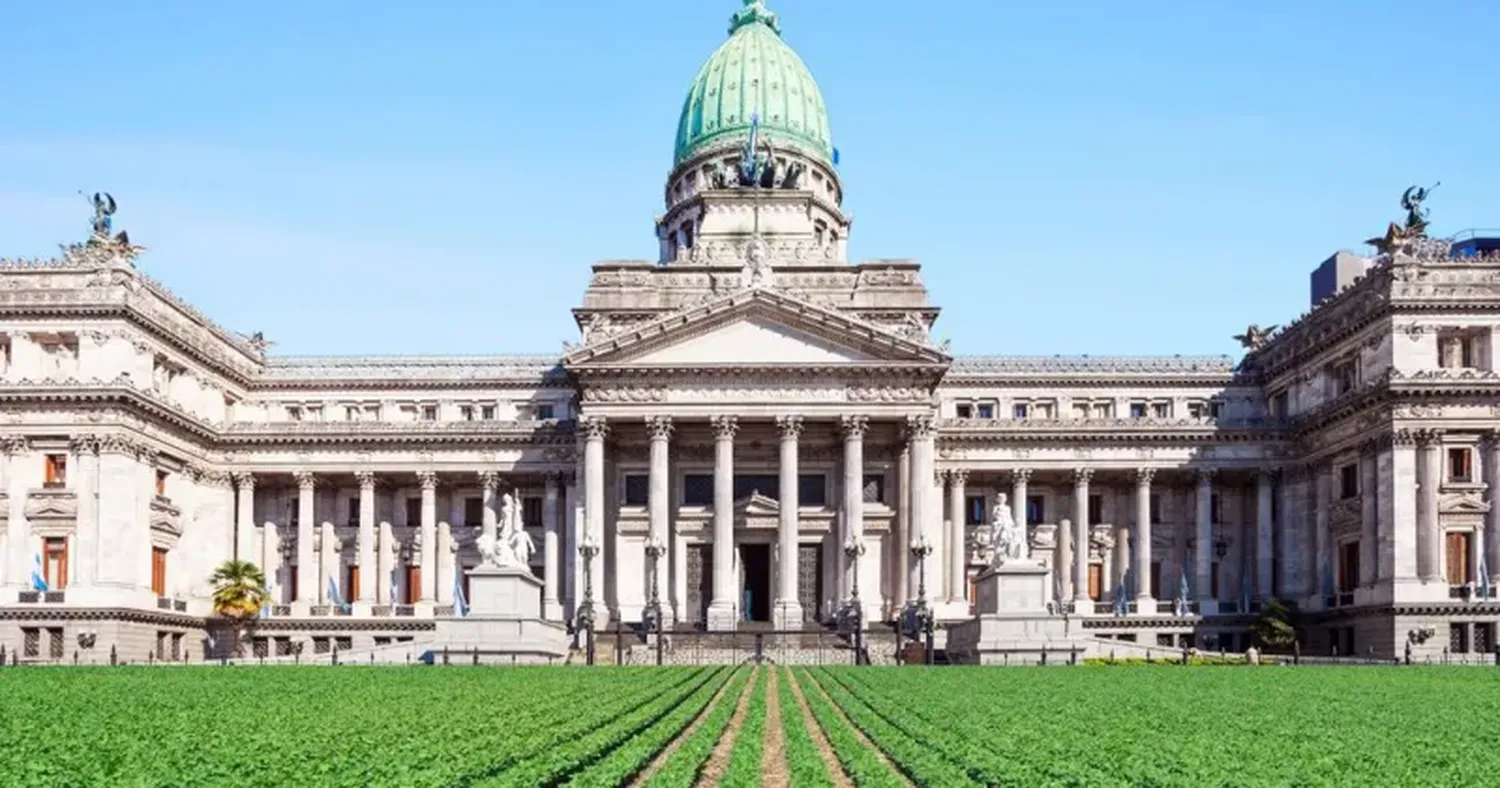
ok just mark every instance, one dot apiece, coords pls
pixel 756 328
pixel 757 505
pixel 1462 503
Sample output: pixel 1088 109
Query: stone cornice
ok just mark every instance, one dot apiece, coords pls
pixel 406 372
pixel 18 612
pixel 1094 371
pixel 538 433
pixel 974 431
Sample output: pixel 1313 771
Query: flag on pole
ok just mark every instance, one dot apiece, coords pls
pixel 1245 591
pixel 38 580
pixel 460 604
pixel 1182 593
pixel 747 162
pixel 1122 605
pixel 265 609
pixel 835 157
pixel 395 586
pixel 333 595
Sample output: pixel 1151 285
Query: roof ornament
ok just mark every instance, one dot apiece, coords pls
pixel 1411 237
pixel 753 12
pixel 1255 337
pixel 257 341
pixel 104 208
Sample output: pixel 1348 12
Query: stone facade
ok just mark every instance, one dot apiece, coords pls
pixel 778 423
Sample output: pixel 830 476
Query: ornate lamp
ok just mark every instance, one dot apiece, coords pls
pixel 921 548
pixel 855 549
pixel 655 550
pixel 588 550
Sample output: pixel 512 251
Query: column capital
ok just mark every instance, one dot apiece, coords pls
pixel 1403 439
pixel 489 480
pixel 552 480
pixel 1205 476
pixel 659 427
pixel 1489 440
pixel 1267 473
pixel 245 480
pixel 1369 448
pixel 83 444
pixel 366 479
pixel 593 428
pixel 854 427
pixel 1081 476
pixel 957 477
pixel 725 427
pixel 790 427
pixel 1426 438
pixel 428 480
pixel 306 480
pixel 920 426
pixel 1143 476
pixel 13 444
pixel 1020 476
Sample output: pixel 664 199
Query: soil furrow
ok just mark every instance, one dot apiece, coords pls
pixel 714 768
pixel 831 761
pixel 666 753
pixel 774 773
pixel 858 734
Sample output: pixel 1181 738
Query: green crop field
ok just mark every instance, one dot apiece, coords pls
pixel 722 726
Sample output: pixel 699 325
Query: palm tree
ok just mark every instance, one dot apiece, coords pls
pixel 239 594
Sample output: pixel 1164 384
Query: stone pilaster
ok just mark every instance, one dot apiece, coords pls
pixel 1204 545
pixel 957 561
pixel 1264 534
pixel 1429 535
pixel 922 432
pixel 901 543
pixel 244 521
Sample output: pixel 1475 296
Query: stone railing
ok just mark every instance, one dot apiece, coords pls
pixel 1145 424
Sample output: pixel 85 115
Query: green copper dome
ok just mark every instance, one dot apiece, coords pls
pixel 754 71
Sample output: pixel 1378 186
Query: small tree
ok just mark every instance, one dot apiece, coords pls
pixel 239 595
pixel 1275 627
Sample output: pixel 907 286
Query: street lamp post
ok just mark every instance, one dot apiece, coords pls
pixel 854 549
pixel 655 549
pixel 920 549
pixel 587 550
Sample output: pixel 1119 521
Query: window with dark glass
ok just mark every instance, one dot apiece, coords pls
pixel 353 511
pixel 1348 567
pixel 1155 506
pixel 1460 469
pixel 874 488
pixel 984 410
pixel 637 489
pixel 545 412
pixel 1036 509
pixel 812 489
pixel 751 483
pixel 964 410
pixel 1137 410
pixel 1349 480
pixel 531 512
pixel 1096 508
pixel 56 469
pixel 413 511
pixel 974 510
pixel 1215 511
pixel 698 489
pixel 473 511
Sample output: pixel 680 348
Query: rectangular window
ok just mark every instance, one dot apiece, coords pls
pixel 314 412
pixel 756 483
pixel 1102 410
pixel 293 413
pixel 1215 508
pixel 546 412
pixel 812 489
pixel 1458 558
pixel 55 563
pixel 974 510
pixel 963 410
pixel 429 413
pixel 487 412
pixel 531 511
pixel 1080 410
pixel 1215 409
pixel 1020 410
pixel 1137 410
pixel 161 483
pixel 350 591
pixel 1159 583
pixel 473 511
pixel 1460 465
pixel 698 490
pixel 1456 350
pixel 637 489
pixel 1349 480
pixel 1161 410
pixel 56 468
pixel 874 488
pixel 1042 410
pixel 1343 378
pixel 372 413
pixel 1197 409
pixel 351 413
pixel 413 511
pixel 1155 506
pixel 466 412
pixel 1348 567
pixel 984 410
pixel 1279 405
pixel 1096 509
pixel 1036 509
pixel 159 571
pixel 353 512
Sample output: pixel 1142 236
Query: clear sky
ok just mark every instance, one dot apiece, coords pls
pixel 1076 177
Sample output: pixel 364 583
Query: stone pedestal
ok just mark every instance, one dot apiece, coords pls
pixel 722 618
pixel 504 626
pixel 1013 626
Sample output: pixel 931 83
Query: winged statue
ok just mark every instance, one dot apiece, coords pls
pixel 1255 337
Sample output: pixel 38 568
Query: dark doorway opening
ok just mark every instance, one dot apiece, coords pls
pixel 700 581
pixel 755 595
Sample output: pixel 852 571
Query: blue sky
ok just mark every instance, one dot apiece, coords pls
pixel 391 177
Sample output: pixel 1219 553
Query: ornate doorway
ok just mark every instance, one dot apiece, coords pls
pixel 700 582
pixel 810 581
pixel 755 582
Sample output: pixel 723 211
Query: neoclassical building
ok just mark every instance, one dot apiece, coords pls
pixel 768 424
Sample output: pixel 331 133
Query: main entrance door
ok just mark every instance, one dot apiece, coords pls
pixel 755 582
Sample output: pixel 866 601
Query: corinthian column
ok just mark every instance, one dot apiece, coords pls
pixel 551 569
pixel 721 609
pixel 1145 602
pixel 921 431
pixel 307 568
pixel 367 573
pixel 428 568
pixel 244 521
pixel 658 502
pixel 957 576
pixel 1264 528
pixel 1081 478
pixel 788 607
pixel 853 429
pixel 1204 547
pixel 594 429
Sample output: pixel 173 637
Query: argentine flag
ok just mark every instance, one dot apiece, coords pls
pixel 38 582
pixel 1484 576
pixel 395 587
pixel 1182 593
pixel 333 595
pixel 747 165
pixel 460 604
pixel 265 610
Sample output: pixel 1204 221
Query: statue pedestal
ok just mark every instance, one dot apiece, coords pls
pixel 504 625
pixel 1013 626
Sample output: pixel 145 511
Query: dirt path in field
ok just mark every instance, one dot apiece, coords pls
pixel 858 734
pixel 773 771
pixel 666 754
pixel 830 761
pixel 718 762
